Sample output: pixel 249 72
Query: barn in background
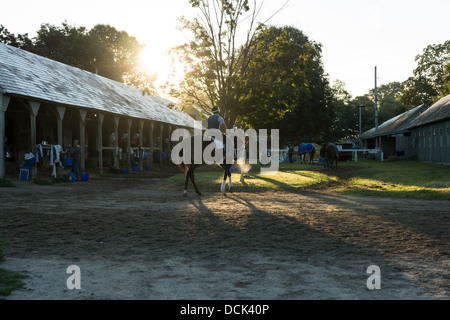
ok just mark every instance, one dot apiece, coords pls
pixel 394 135
pixel 47 103
pixel 431 133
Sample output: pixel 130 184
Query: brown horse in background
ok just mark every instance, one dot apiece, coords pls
pixel 330 152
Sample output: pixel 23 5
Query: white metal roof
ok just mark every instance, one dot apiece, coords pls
pixel 35 77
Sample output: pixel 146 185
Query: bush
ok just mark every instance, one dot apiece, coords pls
pixel 5 183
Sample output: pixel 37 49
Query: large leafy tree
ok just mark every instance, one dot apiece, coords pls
pixel 215 60
pixel 346 114
pixel 431 76
pixel 285 86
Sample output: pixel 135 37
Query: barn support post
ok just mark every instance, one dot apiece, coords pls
pixel 60 111
pixel 4 102
pixel 161 145
pixel 83 114
pixel 130 122
pixel 169 140
pixel 116 143
pixel 141 131
pixel 152 146
pixel 33 107
pixel 100 118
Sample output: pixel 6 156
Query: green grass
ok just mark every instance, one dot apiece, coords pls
pixel 10 281
pixel 285 178
pixel 5 183
pixel 405 179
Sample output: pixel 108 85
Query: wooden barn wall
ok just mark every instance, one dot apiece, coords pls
pixel 432 143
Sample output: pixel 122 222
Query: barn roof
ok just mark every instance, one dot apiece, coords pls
pixel 438 112
pixel 396 125
pixel 28 75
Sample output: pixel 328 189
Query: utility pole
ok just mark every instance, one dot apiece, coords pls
pixel 376 110
pixel 360 130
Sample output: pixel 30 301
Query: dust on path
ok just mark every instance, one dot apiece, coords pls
pixel 136 237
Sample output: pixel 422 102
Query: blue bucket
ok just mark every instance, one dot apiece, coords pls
pixel 72 177
pixel 68 161
pixel 84 176
pixel 148 167
pixel 124 170
pixel 136 168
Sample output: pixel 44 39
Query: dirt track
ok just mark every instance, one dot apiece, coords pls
pixel 136 237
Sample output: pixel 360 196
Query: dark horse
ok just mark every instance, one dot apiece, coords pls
pixel 330 154
pixel 304 149
pixel 189 169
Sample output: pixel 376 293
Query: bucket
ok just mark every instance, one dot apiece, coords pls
pixel 84 176
pixel 72 177
pixel 145 155
pixel 124 170
pixel 68 161
pixel 136 168
pixel 148 167
pixel 25 175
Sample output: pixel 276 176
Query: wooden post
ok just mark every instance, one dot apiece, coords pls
pixel 100 118
pixel 82 139
pixel 116 143
pixel 130 122
pixel 33 107
pixel 60 111
pixel 141 131
pixel 161 145
pixel 4 102
pixel 152 145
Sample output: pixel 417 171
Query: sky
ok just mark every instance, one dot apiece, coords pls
pixel 356 35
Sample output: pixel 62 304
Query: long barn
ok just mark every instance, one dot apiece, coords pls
pixel 431 133
pixel 45 101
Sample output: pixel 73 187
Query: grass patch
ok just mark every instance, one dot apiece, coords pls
pixel 10 281
pixel 286 178
pixel 6 183
pixel 404 179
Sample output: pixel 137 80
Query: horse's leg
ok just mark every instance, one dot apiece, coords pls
pixel 192 177
pixel 186 180
pixel 230 183
pixel 224 182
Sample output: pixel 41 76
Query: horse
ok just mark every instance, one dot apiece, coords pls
pixel 189 168
pixel 304 149
pixel 330 154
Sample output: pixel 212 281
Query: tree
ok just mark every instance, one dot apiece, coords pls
pixel 285 85
pixel 213 59
pixel 431 77
pixel 345 114
pixel 389 103
pixel 19 41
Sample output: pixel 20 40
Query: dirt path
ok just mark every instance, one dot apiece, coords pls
pixel 136 237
